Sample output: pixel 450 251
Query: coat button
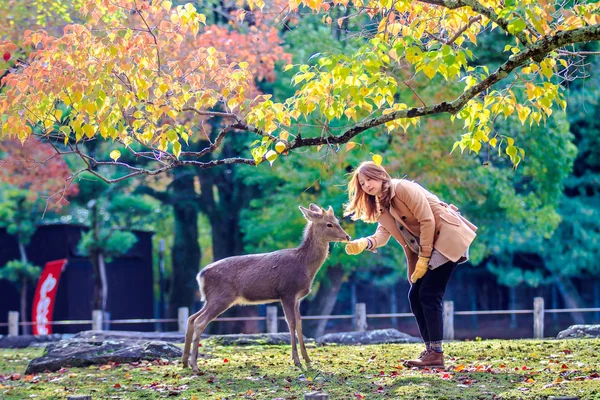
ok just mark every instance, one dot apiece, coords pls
pixel 438 232
pixel 401 228
pixel 412 240
pixel 403 217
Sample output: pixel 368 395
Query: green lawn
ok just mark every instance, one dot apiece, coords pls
pixel 495 369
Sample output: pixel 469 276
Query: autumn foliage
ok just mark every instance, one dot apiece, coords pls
pixel 36 167
pixel 144 74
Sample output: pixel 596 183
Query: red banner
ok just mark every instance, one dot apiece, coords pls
pixel 43 302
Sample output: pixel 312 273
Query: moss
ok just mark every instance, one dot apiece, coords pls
pixel 495 369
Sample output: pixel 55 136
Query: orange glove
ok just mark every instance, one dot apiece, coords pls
pixel 356 246
pixel 420 269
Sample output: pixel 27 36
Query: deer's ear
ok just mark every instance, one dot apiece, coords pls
pixel 315 207
pixel 330 211
pixel 309 214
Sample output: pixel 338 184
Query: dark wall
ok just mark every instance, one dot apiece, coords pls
pixel 130 279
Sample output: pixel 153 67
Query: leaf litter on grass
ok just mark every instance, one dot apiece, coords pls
pixel 495 369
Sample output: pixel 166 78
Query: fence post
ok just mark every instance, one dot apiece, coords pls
pixel 448 320
pixel 538 318
pixel 271 319
pixel 97 320
pixel 360 313
pixel 183 313
pixel 13 323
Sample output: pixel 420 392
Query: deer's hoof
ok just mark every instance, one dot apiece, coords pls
pixel 298 364
pixel 184 362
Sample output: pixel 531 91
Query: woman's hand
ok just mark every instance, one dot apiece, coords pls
pixel 420 269
pixel 356 246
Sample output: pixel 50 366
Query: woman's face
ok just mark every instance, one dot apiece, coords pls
pixel 370 186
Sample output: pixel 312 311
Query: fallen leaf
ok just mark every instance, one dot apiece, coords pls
pixel 117 386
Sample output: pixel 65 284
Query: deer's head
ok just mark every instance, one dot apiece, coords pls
pixel 325 224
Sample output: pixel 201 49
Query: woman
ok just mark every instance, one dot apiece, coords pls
pixel 434 236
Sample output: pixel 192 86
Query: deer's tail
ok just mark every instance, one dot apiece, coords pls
pixel 200 280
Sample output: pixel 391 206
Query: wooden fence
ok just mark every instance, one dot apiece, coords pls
pixel 359 318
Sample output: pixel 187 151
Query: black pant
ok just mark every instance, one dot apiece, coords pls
pixel 425 297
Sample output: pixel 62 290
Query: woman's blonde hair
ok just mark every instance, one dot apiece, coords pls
pixel 362 206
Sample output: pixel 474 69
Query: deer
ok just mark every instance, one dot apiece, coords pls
pixel 284 276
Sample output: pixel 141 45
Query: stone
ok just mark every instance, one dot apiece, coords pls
pixel 85 352
pixel 580 331
pixel 22 341
pixel 254 339
pixel 378 336
pixel 172 337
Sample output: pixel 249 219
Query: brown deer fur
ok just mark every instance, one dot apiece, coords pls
pixel 283 275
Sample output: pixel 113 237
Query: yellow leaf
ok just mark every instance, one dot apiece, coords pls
pixel 284 135
pixel 115 154
pixel 167 5
pixel 377 159
pixel 177 149
pixel 280 147
pixel 350 146
pixel 429 71
pixel 271 156
pixel 89 131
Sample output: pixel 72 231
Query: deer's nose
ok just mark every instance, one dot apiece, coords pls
pixel 348 237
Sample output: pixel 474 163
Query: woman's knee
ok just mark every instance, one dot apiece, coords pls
pixel 429 299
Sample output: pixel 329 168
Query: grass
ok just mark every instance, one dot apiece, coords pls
pixel 494 369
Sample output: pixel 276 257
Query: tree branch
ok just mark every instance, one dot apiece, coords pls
pixel 540 48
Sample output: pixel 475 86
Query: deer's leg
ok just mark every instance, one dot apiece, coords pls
pixel 290 317
pixel 189 335
pixel 213 310
pixel 299 332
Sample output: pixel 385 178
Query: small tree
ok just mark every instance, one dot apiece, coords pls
pixel 33 181
pixel 112 216
pixel 21 273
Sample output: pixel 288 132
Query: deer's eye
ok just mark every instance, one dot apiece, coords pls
pixel 329 225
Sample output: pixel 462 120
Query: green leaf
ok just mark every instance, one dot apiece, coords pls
pixel 516 26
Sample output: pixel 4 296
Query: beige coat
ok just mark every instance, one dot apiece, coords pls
pixel 436 224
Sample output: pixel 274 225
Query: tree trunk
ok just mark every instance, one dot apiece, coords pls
pixel 103 282
pixel 26 329
pixel 185 253
pixel 571 298
pixel 324 302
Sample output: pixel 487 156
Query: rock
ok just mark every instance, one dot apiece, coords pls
pixel 580 331
pixel 22 341
pixel 254 339
pixel 172 337
pixel 377 336
pixel 85 352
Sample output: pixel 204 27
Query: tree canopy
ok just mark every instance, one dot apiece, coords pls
pixel 148 77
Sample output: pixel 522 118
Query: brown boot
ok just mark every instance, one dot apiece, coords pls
pixel 408 363
pixel 431 359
